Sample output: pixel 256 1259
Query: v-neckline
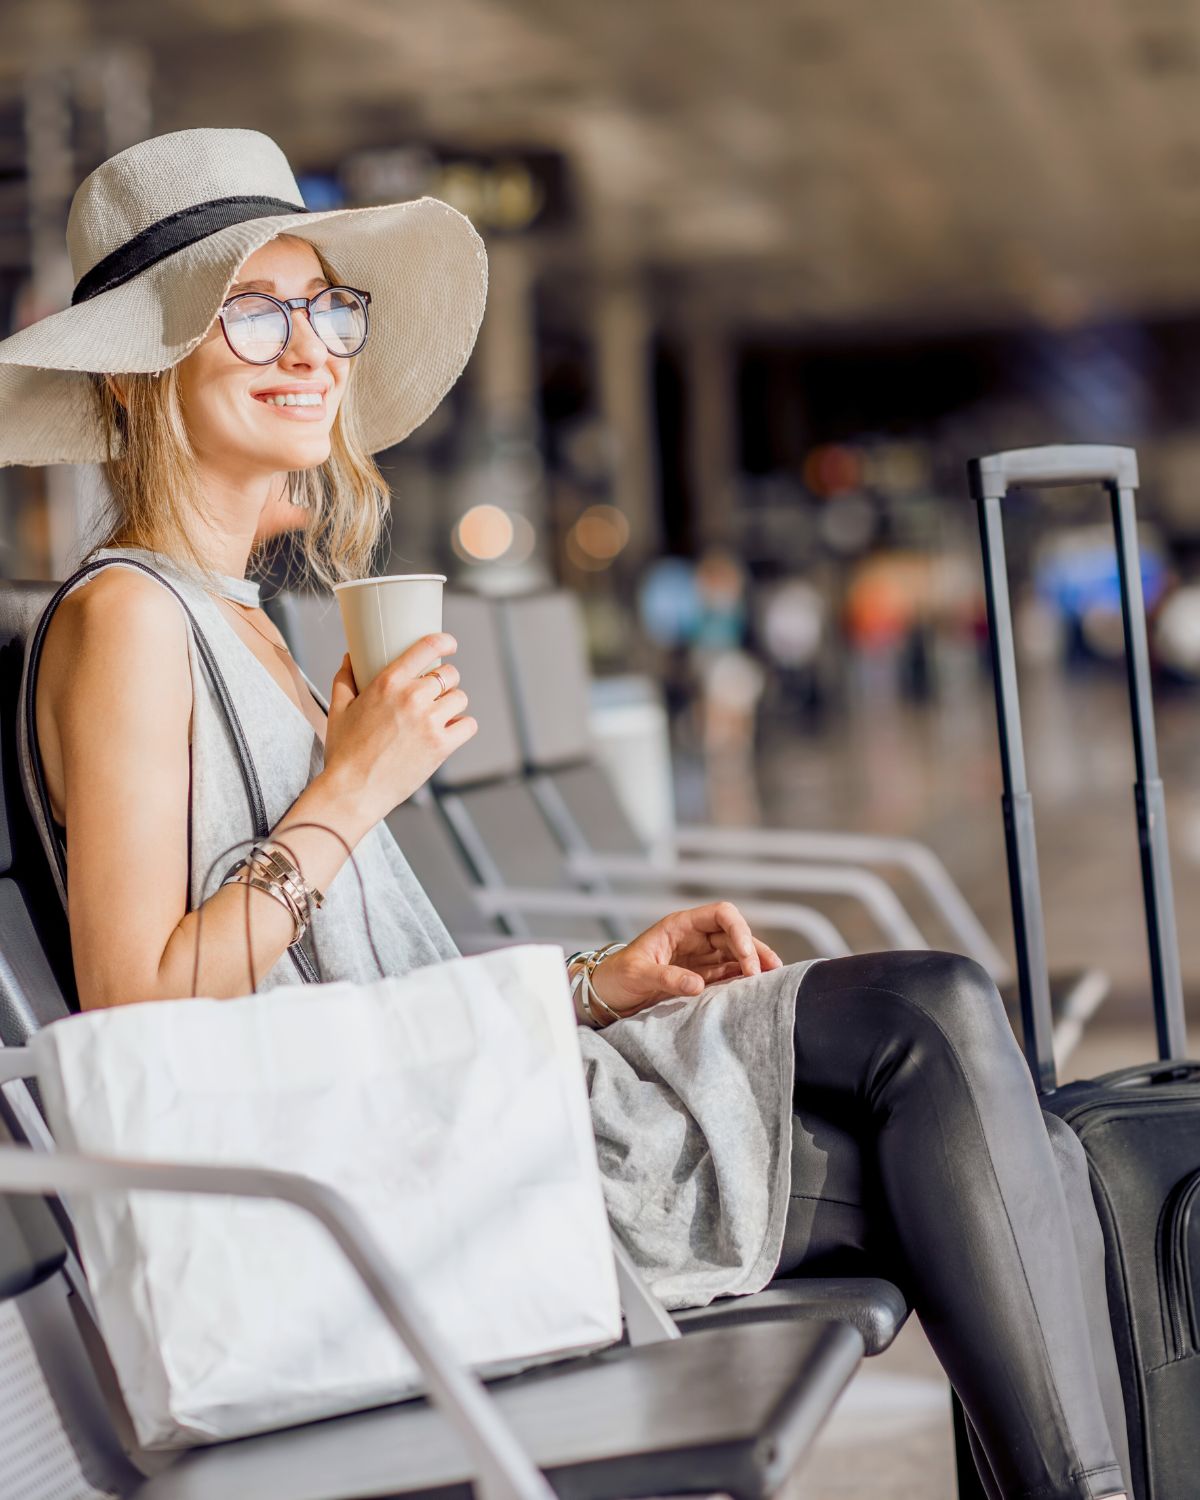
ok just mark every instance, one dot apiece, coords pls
pixel 270 677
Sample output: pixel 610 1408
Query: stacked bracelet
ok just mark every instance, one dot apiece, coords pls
pixel 271 869
pixel 581 984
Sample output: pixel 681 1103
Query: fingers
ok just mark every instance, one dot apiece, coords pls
pixel 738 934
pixel 719 973
pixel 459 731
pixel 442 678
pixel 450 705
pixel 767 957
pixel 420 656
pixel 677 981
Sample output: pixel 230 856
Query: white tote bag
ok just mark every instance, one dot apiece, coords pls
pixel 449 1106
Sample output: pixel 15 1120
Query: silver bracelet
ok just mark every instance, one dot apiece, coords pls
pixel 581 984
pixel 589 992
pixel 581 988
pixel 577 991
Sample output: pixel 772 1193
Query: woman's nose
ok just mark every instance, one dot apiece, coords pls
pixel 304 346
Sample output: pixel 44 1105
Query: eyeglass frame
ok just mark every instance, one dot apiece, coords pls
pixel 287 305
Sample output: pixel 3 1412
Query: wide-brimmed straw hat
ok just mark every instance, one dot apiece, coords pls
pixel 156 236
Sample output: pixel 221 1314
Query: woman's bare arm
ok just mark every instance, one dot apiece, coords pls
pixel 113 710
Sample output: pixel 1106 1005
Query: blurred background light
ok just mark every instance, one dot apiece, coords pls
pixel 484 534
pixel 601 532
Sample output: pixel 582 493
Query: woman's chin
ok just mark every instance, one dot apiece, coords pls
pixel 310 453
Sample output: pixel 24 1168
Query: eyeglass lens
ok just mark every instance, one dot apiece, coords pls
pixel 257 329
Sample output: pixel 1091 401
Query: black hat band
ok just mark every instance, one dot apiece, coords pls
pixel 173 233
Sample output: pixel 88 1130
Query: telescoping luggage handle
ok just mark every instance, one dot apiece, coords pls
pixel 1115 469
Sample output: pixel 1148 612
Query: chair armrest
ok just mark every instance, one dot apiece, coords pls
pixel 788 916
pixel 916 859
pixel 504 1470
pixel 863 885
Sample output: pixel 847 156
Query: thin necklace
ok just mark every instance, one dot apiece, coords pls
pixel 248 621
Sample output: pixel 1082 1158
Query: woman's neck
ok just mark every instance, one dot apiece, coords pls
pixel 218 553
pixel 232 512
pixel 222 538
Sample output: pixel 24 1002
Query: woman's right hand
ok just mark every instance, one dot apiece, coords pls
pixel 385 742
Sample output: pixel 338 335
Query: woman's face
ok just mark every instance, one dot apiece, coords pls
pixel 230 423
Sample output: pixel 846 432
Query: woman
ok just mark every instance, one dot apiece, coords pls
pixel 226 351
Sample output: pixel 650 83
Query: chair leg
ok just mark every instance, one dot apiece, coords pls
pixel 969 1484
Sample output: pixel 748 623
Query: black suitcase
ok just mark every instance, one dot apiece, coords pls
pixel 1140 1127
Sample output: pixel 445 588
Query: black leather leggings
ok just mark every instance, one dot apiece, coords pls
pixel 920 1154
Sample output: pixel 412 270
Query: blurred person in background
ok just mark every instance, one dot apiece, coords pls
pixel 792 625
pixel 751 1119
pixel 730 678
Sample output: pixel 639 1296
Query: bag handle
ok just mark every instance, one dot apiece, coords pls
pixel 254 794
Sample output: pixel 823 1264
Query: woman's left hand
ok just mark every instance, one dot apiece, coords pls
pixel 681 954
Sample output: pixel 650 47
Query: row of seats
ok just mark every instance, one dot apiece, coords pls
pixel 729 1408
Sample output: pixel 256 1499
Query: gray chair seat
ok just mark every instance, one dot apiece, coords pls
pixel 727 1411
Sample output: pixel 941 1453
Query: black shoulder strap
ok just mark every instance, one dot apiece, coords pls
pixel 208 660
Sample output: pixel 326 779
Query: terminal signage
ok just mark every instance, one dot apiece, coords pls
pixel 506 192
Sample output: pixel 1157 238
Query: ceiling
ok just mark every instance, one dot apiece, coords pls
pixel 776 163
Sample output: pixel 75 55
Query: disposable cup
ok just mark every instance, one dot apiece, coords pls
pixel 383 617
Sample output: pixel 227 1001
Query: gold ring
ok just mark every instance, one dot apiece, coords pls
pixel 433 672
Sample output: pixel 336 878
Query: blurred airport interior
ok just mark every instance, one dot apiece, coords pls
pixel 762 279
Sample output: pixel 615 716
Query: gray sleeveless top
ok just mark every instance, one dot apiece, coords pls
pixel 691 1100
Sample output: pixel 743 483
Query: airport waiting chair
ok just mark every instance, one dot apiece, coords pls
pixel 546 658
pixel 31 995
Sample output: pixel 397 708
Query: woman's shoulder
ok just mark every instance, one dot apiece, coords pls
pixel 121 604
pixel 114 685
pixel 120 624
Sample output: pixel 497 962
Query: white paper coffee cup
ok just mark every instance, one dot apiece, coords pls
pixel 383 617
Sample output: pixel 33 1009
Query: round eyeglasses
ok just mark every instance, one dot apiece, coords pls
pixel 258 327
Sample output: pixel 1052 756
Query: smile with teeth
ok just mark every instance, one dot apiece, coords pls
pixel 293 398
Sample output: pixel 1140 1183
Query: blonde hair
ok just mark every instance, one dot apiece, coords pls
pixel 156 495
